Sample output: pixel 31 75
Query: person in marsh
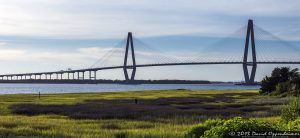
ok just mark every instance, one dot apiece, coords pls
pixel 136 101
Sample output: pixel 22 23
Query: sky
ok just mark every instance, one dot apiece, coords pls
pixel 52 35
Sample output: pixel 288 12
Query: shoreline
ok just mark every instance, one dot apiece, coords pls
pixel 69 81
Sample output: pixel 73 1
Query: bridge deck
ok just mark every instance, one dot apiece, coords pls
pixel 142 65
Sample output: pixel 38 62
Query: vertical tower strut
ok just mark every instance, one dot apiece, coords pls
pixel 129 45
pixel 250 34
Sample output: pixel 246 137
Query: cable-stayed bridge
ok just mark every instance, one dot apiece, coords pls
pixel 258 47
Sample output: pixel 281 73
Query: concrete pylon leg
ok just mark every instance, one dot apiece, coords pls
pixel 249 79
pixel 246 73
pixel 249 36
pixel 129 46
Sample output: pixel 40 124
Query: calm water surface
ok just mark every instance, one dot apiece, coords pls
pixel 67 88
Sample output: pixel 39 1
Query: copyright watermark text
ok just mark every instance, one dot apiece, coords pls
pixel 264 133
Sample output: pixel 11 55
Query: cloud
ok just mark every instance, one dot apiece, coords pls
pixel 3 43
pixel 111 19
pixel 8 54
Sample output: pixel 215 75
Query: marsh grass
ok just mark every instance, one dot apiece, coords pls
pixel 158 114
pixel 56 126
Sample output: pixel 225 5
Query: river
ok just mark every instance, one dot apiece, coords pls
pixel 76 88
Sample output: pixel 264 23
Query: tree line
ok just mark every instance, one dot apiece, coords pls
pixel 283 81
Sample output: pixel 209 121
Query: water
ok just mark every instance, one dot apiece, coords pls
pixel 76 88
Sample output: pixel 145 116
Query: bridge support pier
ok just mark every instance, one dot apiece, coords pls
pixel 129 45
pixel 249 35
pixel 95 75
pixel 78 75
pixel 92 75
pixel 73 75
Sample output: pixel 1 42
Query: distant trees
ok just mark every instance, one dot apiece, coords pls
pixel 282 81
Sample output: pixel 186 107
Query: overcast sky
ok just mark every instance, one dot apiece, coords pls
pixel 47 35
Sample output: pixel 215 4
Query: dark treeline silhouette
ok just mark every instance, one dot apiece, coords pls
pixel 282 81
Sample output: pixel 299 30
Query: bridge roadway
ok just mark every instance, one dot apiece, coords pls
pixel 78 71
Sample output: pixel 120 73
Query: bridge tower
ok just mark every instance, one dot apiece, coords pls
pixel 249 36
pixel 129 46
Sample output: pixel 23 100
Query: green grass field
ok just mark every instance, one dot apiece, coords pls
pixel 166 114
